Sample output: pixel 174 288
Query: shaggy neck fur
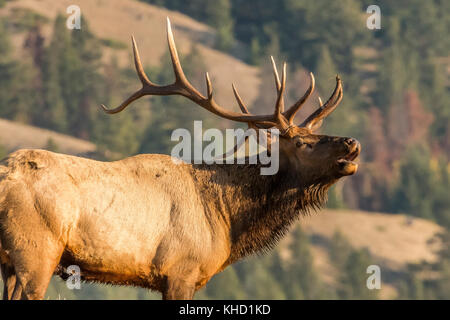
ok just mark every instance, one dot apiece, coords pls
pixel 258 210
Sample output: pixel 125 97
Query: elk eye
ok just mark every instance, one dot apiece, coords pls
pixel 298 144
pixel 309 145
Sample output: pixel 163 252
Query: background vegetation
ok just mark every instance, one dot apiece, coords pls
pixel 396 103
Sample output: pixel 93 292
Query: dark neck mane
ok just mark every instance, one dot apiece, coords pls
pixel 258 209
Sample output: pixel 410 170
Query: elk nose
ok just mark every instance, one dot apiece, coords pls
pixel 349 141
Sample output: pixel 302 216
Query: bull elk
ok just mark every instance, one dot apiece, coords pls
pixel 150 222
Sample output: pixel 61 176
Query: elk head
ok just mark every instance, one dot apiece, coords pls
pixel 318 156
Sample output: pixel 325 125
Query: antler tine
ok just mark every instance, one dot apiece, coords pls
pixel 209 88
pixel 177 69
pixel 275 73
pixel 180 77
pixel 138 64
pixel 244 109
pixel 279 103
pixel 146 83
pixel 183 87
pixel 138 94
pixel 292 111
pixel 239 100
pixel 326 108
pixel 142 76
pixel 277 81
pixel 252 125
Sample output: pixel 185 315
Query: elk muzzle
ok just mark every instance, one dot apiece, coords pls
pixel 347 165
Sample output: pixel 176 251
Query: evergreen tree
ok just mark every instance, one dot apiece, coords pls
pixel 258 281
pixel 415 189
pixel 15 95
pixel 391 80
pixel 120 133
pixel 53 114
pixel 224 286
pixel 351 265
pixel 436 95
pixel 410 288
pixel 349 122
pixel 81 88
pixel 339 250
pixel 214 13
pixel 218 15
pixel 354 277
pixel 429 280
pixel 302 281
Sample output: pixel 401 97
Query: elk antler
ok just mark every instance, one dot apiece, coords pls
pixel 280 118
pixel 324 110
pixel 292 111
pixel 183 87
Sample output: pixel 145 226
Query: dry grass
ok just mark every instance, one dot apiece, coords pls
pixel 395 240
pixel 15 135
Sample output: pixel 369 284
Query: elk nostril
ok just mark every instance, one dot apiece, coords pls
pixel 349 141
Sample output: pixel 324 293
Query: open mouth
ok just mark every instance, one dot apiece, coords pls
pixel 349 158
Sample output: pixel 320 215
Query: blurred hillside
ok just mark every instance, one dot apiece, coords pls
pixel 396 96
pixel 16 135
